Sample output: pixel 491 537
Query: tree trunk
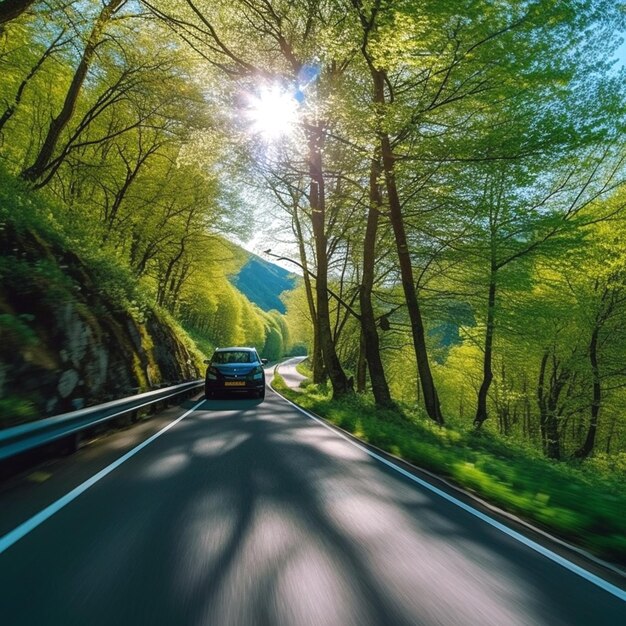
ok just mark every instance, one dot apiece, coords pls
pixel 339 381
pixel 369 332
pixel 541 396
pixel 361 366
pixel 526 412
pixel 612 429
pixel 37 169
pixel 481 408
pixel 10 9
pixel 131 175
pixel 431 399
pixel 596 400
pixel 548 405
pixel 317 362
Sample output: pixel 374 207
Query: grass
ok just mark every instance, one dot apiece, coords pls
pixel 304 369
pixel 582 505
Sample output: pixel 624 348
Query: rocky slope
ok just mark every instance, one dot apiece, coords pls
pixel 65 342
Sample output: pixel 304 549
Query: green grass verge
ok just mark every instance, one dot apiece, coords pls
pixel 304 368
pixel 582 505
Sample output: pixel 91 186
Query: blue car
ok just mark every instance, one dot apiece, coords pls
pixel 235 370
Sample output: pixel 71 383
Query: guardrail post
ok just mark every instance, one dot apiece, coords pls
pixel 72 443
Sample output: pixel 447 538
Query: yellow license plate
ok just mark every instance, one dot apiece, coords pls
pixel 235 383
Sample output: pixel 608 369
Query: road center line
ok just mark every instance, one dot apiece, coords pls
pixel 39 518
pixel 533 545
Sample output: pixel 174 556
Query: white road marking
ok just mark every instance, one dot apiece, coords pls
pixel 533 545
pixel 39 518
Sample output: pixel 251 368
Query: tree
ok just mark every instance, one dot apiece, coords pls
pixel 369 334
pixel 56 45
pixel 513 215
pixel 598 286
pixel 440 99
pixel 60 121
pixel 11 9
pixel 379 79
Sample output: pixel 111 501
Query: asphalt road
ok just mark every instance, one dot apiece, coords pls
pixel 248 512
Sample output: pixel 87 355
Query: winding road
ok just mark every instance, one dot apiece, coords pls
pixel 250 513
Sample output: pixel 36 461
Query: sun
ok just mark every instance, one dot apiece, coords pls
pixel 273 113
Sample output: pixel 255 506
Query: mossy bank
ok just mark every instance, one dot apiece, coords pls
pixel 74 327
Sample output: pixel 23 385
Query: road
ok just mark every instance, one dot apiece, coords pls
pixel 250 513
pixel 290 374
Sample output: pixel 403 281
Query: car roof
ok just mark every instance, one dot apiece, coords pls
pixel 233 348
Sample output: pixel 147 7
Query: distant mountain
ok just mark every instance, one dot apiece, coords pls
pixel 262 283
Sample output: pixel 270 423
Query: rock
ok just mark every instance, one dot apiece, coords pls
pixel 96 368
pixel 51 405
pixel 82 348
pixel 78 334
pixel 67 383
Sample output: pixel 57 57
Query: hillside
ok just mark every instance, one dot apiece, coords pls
pixel 75 328
pixel 67 342
pixel 262 283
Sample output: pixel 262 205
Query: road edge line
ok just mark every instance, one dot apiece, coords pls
pixel 36 520
pixel 517 536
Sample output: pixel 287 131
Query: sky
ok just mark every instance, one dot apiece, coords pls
pixel 620 53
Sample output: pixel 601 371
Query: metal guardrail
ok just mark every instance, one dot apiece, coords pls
pixel 26 437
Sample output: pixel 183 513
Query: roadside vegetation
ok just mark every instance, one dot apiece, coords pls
pixel 450 178
pixel 581 503
pixel 48 273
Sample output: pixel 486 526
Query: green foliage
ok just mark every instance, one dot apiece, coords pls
pixel 298 349
pixel 304 369
pixel 273 348
pixel 27 211
pixel 203 343
pixel 194 353
pixel 15 328
pixel 297 318
pixel 15 410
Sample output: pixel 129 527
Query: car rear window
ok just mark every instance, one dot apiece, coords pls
pixel 233 356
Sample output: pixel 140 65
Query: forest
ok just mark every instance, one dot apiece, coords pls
pixel 102 144
pixel 447 177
